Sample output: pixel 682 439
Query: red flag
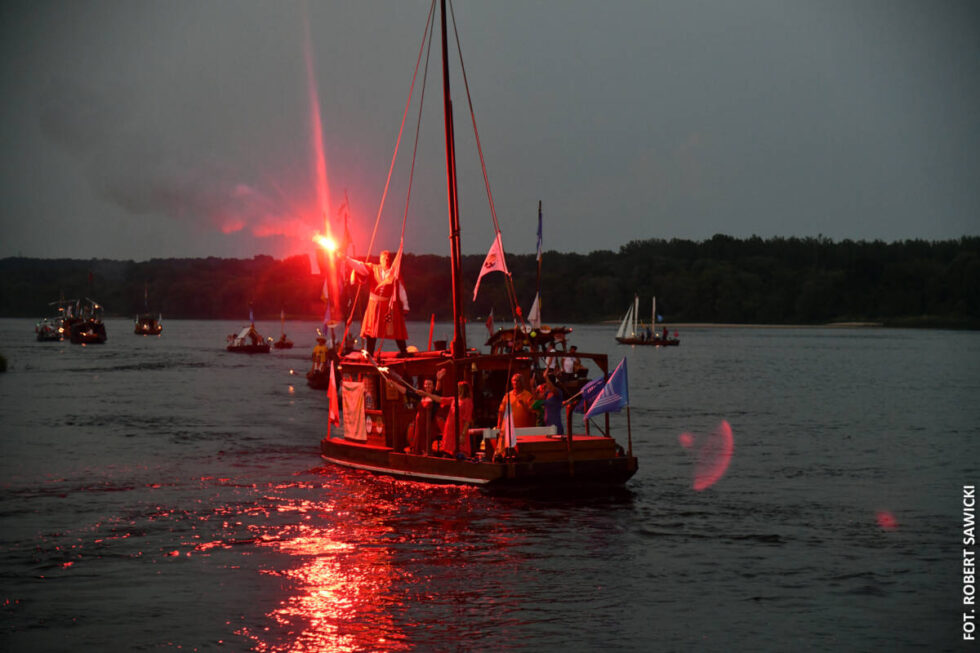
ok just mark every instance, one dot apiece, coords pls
pixel 332 395
pixel 490 321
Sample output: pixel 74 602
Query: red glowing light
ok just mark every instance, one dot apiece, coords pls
pixel 326 242
pixel 712 455
pixel 887 521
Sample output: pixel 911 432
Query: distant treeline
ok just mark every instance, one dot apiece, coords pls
pixel 724 279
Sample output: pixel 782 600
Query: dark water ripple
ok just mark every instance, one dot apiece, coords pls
pixel 160 493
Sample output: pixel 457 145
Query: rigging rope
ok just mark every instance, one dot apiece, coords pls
pixel 512 295
pixel 422 47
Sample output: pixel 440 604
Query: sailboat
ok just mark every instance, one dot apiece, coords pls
pixel 630 332
pixel 146 323
pixel 387 428
pixel 248 340
pixel 283 342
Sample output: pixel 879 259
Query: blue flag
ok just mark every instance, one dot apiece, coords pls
pixel 589 392
pixel 614 395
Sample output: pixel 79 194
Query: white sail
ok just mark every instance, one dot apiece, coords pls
pixel 636 313
pixel 627 321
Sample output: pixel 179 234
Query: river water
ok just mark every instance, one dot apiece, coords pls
pixel 161 493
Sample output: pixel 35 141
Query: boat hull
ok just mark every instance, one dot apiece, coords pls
pixel 148 329
pixel 655 342
pixel 554 467
pixel 88 333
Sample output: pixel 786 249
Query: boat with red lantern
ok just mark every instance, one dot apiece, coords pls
pixel 453 414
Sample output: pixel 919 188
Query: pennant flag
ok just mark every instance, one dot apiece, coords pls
pixel 614 395
pixel 589 392
pixel 490 321
pixel 493 262
pixel 251 315
pixel 534 315
pixel 510 435
pixel 539 232
pixel 334 414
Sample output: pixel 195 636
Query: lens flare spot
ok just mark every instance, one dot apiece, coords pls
pixel 712 454
pixel 887 521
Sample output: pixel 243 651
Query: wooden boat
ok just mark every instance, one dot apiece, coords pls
pixel 84 324
pixel 283 342
pixel 632 333
pixel 381 402
pixel 147 325
pixel 248 341
pixel 49 329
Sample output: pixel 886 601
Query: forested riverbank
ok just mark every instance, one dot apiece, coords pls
pixel 720 280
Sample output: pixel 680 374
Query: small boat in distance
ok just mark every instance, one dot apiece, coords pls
pixel 147 325
pixel 632 333
pixel 84 324
pixel 49 329
pixel 248 341
pixel 283 342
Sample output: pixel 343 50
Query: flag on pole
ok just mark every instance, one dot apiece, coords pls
pixel 534 315
pixel 539 232
pixel 589 392
pixel 510 436
pixel 493 262
pixel 615 394
pixel 490 321
pixel 334 414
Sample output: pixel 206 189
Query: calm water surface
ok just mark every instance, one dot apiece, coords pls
pixel 161 493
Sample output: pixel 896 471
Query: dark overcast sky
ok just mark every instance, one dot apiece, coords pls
pixel 145 129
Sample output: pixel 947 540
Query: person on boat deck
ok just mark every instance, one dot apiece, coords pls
pixel 665 334
pixel 465 419
pixel 320 355
pixel 521 403
pixel 383 318
pixel 551 398
pixel 551 362
pixel 425 428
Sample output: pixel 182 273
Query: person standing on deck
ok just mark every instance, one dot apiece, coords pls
pixel 521 403
pixel 551 397
pixel 383 318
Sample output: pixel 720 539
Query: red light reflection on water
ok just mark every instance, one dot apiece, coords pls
pixel 886 520
pixel 713 453
pixel 340 588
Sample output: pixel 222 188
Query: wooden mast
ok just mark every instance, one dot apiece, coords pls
pixel 458 348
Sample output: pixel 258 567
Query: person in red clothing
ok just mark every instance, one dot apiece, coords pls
pixel 384 316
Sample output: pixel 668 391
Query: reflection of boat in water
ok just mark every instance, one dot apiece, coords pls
pixel 248 341
pixel 49 329
pixel 384 430
pixel 147 325
pixel 632 333
pixel 84 323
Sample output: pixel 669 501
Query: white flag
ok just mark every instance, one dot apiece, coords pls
pixel 494 262
pixel 534 315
